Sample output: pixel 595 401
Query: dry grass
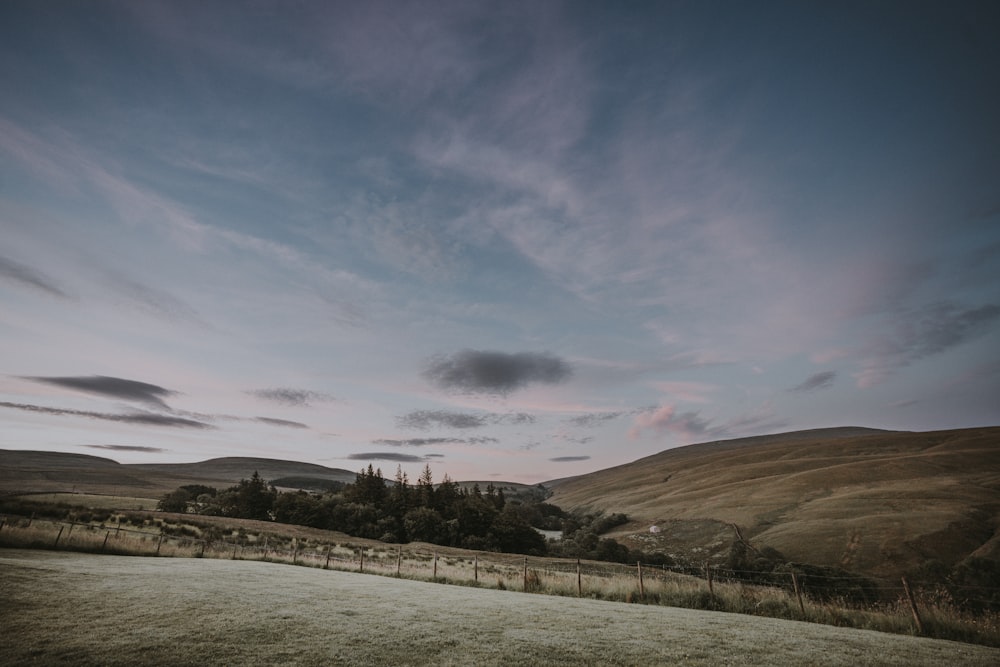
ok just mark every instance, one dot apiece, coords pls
pixel 61 608
pixel 554 577
pixel 879 503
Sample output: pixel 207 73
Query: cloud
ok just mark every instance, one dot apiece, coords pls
pixel 822 380
pixel 921 333
pixel 149 418
pixel 103 385
pixel 390 456
pixel 569 459
pixel 291 397
pixel 594 419
pixel 691 426
pixel 128 448
pixel 25 275
pixel 484 372
pixel 423 442
pixel 425 419
pixel 282 422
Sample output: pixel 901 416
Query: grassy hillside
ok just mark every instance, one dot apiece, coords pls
pixel 32 472
pixel 97 610
pixel 873 501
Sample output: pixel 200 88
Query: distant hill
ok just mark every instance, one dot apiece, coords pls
pixel 879 502
pixel 32 471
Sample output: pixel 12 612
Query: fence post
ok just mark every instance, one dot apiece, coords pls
pixel 70 532
pixel 525 574
pixel 106 536
pixel 56 545
pixel 913 606
pixel 265 547
pixel 3 521
pixel 329 550
pixel 234 551
pixel 435 565
pixel 399 559
pixel 798 592
pixel 579 580
pixel 362 566
pixel 642 589
pixel 476 569
pixel 708 575
pixel 159 542
pixel 202 555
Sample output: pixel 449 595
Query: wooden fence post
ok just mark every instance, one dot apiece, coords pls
pixel 106 536
pixel 2 522
pixel 435 565
pixel 361 567
pixel 913 606
pixel 329 550
pixel 476 569
pixel 56 545
pixel 68 533
pixel 708 575
pixel 159 542
pixel 579 580
pixel 525 574
pixel 234 551
pixel 399 559
pixel 642 589
pixel 798 592
pixel 202 554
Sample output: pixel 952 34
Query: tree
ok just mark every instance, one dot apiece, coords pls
pixel 175 501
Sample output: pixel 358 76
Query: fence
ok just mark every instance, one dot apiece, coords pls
pixel 705 586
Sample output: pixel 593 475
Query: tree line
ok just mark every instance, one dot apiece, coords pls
pixel 397 511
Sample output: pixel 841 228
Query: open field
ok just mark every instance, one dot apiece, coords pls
pixel 158 534
pixel 61 608
pixel 876 502
pixel 93 501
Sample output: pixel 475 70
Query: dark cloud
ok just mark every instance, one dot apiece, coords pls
pixel 149 418
pixel 292 397
pixel 425 419
pixel 25 275
pixel 569 459
pixel 484 372
pixel 822 380
pixel 129 390
pixel 128 448
pixel 389 456
pixel 282 422
pixel 424 442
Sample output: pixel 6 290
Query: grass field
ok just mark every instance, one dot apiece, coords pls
pixel 93 500
pixel 81 609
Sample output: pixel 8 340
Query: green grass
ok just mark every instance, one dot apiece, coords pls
pixel 92 500
pixel 81 609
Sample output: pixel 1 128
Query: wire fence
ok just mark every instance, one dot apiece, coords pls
pixel 632 582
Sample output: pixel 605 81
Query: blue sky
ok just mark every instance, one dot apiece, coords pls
pixel 518 241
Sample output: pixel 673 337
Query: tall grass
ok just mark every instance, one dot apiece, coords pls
pixel 942 618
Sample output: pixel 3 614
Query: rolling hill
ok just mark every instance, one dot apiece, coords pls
pixel 30 471
pixel 877 502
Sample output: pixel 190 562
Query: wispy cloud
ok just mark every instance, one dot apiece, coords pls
pixel 691 426
pixel 425 419
pixel 594 419
pixel 130 390
pixel 291 397
pixel 145 418
pixel 281 422
pixel 424 442
pixel 22 274
pixel 128 448
pixel 821 380
pixel 390 456
pixel 484 372
pixel 569 459
pixel 921 333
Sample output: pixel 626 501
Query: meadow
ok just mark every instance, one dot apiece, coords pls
pixel 217 538
pixel 90 609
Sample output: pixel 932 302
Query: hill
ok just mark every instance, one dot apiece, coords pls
pixel 31 471
pixel 878 502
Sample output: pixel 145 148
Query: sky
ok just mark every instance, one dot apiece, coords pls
pixel 513 241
